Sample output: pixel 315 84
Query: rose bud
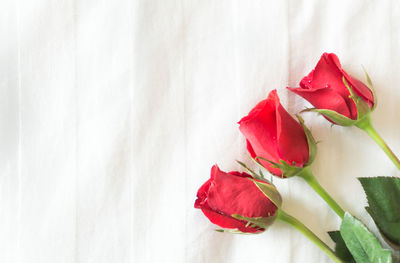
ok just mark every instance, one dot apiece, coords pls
pixel 275 139
pixel 342 99
pixel 282 145
pixel 241 204
pixel 237 201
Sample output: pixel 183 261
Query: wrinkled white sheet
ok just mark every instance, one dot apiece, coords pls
pixel 113 111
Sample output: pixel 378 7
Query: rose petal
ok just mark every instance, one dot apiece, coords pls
pixel 360 88
pixel 228 222
pixel 267 165
pixel 244 175
pixel 231 194
pixel 202 194
pixel 328 74
pixel 324 99
pixel 259 128
pixel 226 194
pixel 292 141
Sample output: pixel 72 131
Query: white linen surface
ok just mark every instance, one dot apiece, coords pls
pixel 113 112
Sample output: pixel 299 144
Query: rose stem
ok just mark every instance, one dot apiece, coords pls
pixel 366 125
pixel 281 215
pixel 307 175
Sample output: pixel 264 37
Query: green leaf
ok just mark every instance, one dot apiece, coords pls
pixel 340 248
pixel 312 145
pixel 361 243
pixel 333 116
pixel 383 194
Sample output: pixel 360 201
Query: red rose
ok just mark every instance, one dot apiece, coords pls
pixel 227 194
pixel 324 88
pixel 273 134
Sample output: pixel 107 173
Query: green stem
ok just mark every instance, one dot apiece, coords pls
pixel 307 175
pixel 366 125
pixel 281 215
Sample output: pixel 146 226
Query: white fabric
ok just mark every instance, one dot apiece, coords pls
pixel 113 111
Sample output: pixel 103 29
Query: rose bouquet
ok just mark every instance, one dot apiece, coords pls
pixel 246 202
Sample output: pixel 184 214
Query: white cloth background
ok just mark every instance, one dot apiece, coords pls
pixel 112 113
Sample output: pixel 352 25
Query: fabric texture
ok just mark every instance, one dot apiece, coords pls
pixel 113 111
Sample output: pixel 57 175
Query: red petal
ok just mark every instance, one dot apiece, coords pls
pixel 259 128
pixel 292 141
pixel 228 222
pixel 202 194
pixel 225 194
pixel 250 149
pixel 324 87
pixel 360 88
pixel 328 74
pixel 324 99
pixel 231 194
pixel 273 134
pixel 203 190
pixel 267 165
pixel 245 175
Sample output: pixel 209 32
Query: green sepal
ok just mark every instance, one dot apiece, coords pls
pixel 333 116
pixel 286 169
pixel 361 106
pixel 269 191
pixel 254 174
pixel 312 145
pixel 383 194
pixel 256 222
pixel 371 88
pixel 361 243
pixel 247 168
pixel 340 247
